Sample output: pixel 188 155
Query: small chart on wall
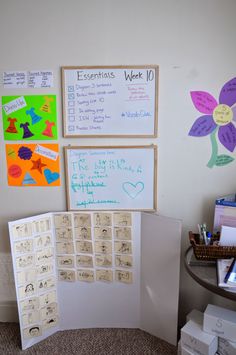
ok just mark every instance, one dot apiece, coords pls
pixel 110 101
pixel 29 117
pixel 121 178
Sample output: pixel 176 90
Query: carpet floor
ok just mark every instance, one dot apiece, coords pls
pixel 107 341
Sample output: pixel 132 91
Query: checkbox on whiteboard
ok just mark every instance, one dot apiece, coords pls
pixel 71 103
pixel 71 128
pixel 70 88
pixel 71 118
pixel 71 111
pixel 71 96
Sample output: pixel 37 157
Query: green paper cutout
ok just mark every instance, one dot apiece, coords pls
pixel 223 160
pixel 214 148
pixel 45 108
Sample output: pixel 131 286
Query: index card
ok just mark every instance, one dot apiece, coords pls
pixel 49 311
pixel 32 332
pixel 103 247
pixel 102 233
pixel 125 261
pixel 82 220
pixel 43 241
pixel 83 233
pixel 122 233
pixel 122 219
pixel 66 261
pixel 47 298
pixel 84 261
pixel 42 225
pixel 62 220
pixel 65 247
pixel 102 219
pixel 46 284
pixel 66 275
pixel 85 275
pixel 25 261
pixel 30 318
pixel 24 246
pixel 22 230
pixel 44 256
pixel 104 275
pixel 123 247
pixel 27 290
pixel 29 304
pixel 124 276
pixel 64 234
pixel 103 260
pixel 26 276
pixel 50 322
pixel 84 247
pixel 44 269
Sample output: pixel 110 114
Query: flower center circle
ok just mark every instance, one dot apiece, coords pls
pixel 222 115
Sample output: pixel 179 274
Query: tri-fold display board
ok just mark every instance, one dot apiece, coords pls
pixel 118 101
pixel 96 269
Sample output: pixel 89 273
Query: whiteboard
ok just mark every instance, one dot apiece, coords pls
pixel 110 101
pixel 115 178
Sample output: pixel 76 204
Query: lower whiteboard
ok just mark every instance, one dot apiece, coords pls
pixel 115 178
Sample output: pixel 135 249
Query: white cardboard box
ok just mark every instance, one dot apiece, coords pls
pixel 196 316
pixel 185 351
pixel 195 340
pixel 220 321
pixel 226 347
pixel 179 348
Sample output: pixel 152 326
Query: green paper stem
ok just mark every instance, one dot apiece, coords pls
pixel 214 148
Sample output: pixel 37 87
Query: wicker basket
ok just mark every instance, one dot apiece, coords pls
pixel 210 252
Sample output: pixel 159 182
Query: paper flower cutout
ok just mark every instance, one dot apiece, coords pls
pixel 218 118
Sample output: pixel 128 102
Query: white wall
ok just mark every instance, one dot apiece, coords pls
pixel 193 42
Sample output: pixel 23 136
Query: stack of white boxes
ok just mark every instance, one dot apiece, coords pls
pixel 209 333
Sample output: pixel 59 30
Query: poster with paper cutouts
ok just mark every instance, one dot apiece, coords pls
pixel 33 164
pixel 29 117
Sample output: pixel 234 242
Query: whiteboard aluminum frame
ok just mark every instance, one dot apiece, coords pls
pixel 135 67
pixel 67 179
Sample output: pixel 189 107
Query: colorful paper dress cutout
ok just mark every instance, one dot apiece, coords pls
pixel 11 128
pixel 34 117
pixel 27 133
pixel 48 130
pixel 46 106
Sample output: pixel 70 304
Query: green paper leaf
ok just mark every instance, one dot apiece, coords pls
pixel 223 159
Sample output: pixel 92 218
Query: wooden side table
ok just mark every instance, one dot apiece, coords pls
pixel 206 276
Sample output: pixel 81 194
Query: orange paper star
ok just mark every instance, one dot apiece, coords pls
pixel 38 165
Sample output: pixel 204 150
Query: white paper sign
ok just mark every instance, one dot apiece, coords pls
pixel 31 79
pixel 15 79
pixel 14 105
pixel 45 152
pixel 40 79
